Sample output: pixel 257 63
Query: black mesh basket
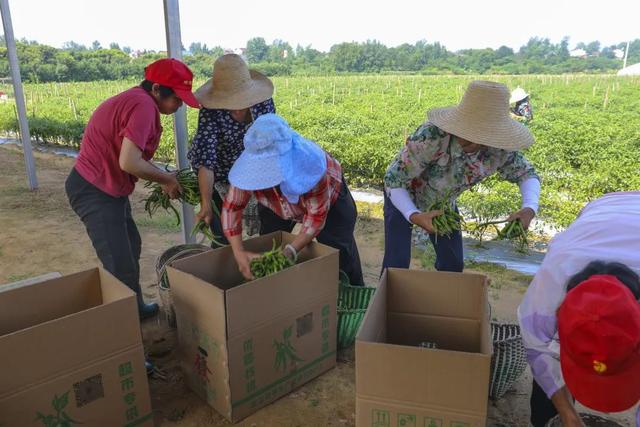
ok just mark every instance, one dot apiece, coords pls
pixel 509 359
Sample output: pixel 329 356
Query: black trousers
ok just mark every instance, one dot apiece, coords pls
pixel 542 408
pixel 216 222
pixel 337 232
pixel 110 227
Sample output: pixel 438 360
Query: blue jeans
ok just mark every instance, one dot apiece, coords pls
pixel 397 243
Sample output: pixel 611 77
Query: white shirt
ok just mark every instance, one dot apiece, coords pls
pixel 607 229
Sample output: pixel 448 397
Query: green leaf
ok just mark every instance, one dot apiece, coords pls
pixel 49 421
pixel 64 400
pixel 56 403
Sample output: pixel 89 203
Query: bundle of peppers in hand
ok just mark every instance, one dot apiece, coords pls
pixel 158 199
pixel 515 231
pixel 270 262
pixel 447 222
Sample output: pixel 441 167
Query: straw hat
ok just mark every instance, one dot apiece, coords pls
pixel 518 94
pixel 482 117
pixel 234 86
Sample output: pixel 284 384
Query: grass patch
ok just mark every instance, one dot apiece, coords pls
pixel 370 210
pixel 17 277
pixel 500 275
pixel 162 222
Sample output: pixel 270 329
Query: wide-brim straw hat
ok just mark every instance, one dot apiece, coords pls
pixel 482 117
pixel 518 94
pixel 234 86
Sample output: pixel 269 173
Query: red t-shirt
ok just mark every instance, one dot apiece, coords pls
pixel 133 114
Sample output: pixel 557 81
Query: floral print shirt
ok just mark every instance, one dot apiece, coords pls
pixel 218 141
pixel 432 166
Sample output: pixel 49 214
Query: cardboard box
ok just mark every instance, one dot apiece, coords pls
pixel 71 354
pixel 244 345
pixel 399 384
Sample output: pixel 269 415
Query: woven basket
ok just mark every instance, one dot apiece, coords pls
pixel 352 306
pixel 164 260
pixel 589 420
pixel 509 358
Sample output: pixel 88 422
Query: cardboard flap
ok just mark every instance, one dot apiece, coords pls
pixel 374 325
pixel 423 377
pixel 62 345
pixel 217 268
pixel 446 332
pixel 112 289
pixel 264 300
pixel 437 293
pixel 22 308
pixel 265 243
pixel 197 299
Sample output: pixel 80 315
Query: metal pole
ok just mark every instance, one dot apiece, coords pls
pixel 18 94
pixel 174 50
pixel 626 55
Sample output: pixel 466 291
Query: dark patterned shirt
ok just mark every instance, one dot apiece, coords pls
pixel 523 109
pixel 218 141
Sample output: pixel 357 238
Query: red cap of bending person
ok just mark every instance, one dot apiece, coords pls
pixel 599 330
pixel 175 74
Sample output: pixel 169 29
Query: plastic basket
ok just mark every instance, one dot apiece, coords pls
pixel 352 305
pixel 509 358
pixel 164 260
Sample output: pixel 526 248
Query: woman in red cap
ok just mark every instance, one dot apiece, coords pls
pixel 118 143
pixel 580 317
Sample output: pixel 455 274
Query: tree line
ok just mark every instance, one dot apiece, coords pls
pixel 76 62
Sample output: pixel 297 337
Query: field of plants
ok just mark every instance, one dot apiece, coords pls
pixel 587 128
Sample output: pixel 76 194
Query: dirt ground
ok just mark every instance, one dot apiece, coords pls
pixel 41 234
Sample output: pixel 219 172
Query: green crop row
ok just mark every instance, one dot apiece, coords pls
pixel 587 128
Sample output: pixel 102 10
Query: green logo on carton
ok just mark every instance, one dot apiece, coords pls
pixel 285 352
pixel 406 420
pixel 432 422
pixel 380 418
pixel 60 419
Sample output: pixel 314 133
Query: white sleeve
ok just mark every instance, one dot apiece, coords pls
pixel 530 191
pixel 402 201
pixel 538 323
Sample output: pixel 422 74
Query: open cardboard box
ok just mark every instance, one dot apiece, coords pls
pixel 401 384
pixel 71 349
pixel 245 344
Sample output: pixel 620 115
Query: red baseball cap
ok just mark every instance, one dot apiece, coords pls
pixel 599 330
pixel 175 74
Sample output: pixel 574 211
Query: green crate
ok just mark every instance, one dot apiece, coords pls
pixel 352 305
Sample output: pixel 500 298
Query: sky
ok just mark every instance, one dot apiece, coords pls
pixel 139 24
